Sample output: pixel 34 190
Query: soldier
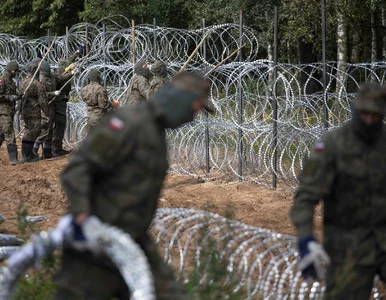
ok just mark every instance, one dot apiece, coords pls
pixel 62 74
pixel 116 177
pixel 8 97
pixel 160 78
pixel 49 83
pixel 96 99
pixel 140 86
pixel 34 106
pixel 347 170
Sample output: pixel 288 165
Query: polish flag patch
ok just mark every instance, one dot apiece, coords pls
pixel 319 147
pixel 116 124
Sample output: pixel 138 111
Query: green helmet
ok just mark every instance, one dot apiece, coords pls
pixel 371 97
pixel 141 69
pixel 94 76
pixel 12 66
pixel 45 68
pixel 158 68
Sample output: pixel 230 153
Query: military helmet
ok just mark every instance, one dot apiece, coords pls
pixel 141 69
pixel 94 76
pixel 371 97
pixel 12 66
pixel 159 68
pixel 33 65
pixel 45 68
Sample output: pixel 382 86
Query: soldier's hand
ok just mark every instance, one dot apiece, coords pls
pixel 314 259
pixel 57 93
pixel 94 232
pixel 75 71
pixel 115 103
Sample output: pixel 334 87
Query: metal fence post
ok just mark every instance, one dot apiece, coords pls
pixel 104 52
pixel 207 142
pixel 324 64
pixel 67 50
pixel 87 44
pixel 240 104
pixel 274 121
pixel 155 38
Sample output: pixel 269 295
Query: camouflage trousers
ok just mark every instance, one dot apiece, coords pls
pixel 92 120
pixel 59 126
pixel 349 280
pixel 47 128
pixel 82 278
pixel 7 133
pixel 33 127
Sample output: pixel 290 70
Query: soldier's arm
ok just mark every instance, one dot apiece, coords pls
pixel 100 153
pixel 72 58
pixel 315 183
pixel 103 100
pixel 143 87
pixel 63 78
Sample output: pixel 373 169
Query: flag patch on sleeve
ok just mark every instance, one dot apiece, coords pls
pixel 116 124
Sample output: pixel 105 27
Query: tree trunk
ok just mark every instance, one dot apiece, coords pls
pixel 307 56
pixel 341 51
pixel 384 34
pixel 356 46
pixel 373 42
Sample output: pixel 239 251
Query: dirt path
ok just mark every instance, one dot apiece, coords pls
pixel 37 184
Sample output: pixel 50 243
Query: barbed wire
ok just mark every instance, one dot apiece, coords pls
pixel 258 262
pixel 298 90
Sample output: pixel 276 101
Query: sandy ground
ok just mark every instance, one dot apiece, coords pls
pixel 38 186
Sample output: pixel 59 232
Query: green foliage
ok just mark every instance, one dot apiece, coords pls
pixel 39 284
pixel 25 228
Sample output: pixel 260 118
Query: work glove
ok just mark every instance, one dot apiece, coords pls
pixel 91 232
pixel 69 68
pixel 75 71
pixel 115 103
pixel 13 98
pixel 313 259
pixel 82 48
pixel 57 93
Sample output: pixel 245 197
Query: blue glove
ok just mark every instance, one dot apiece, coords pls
pixel 313 258
pixel 78 233
pixel 82 48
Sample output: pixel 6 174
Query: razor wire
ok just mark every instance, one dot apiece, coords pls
pixel 123 251
pixel 298 90
pixel 257 263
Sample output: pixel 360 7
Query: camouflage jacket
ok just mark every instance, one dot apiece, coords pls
pixel 61 77
pixel 96 99
pixel 49 84
pixel 34 102
pixel 138 90
pixel 119 169
pixel 155 84
pixel 349 176
pixel 7 88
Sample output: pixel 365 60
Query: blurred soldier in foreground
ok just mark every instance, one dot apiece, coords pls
pixel 160 78
pixel 116 177
pixel 96 99
pixel 8 97
pixel 66 69
pixel 34 108
pixel 140 86
pixel 347 170
pixel 45 138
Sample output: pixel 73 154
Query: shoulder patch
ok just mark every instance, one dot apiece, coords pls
pixel 319 147
pixel 116 124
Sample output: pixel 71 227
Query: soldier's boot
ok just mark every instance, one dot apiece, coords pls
pixel 35 149
pixel 47 153
pixel 12 153
pixel 60 152
pixel 26 151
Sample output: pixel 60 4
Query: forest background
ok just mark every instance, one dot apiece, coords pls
pixel 356 29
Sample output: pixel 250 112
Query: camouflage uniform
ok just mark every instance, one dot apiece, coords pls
pixel 34 106
pixel 97 101
pixel 61 104
pixel 140 86
pixel 49 83
pixel 159 79
pixel 121 166
pixel 348 173
pixel 7 111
